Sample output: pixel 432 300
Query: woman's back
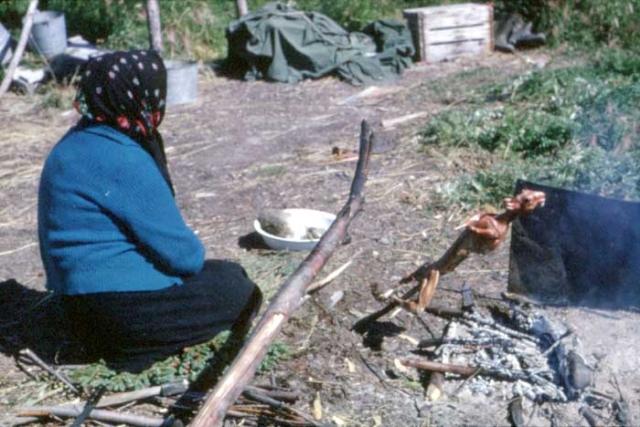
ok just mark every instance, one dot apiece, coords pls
pixel 107 219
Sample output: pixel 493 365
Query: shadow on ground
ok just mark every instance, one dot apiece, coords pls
pixel 34 320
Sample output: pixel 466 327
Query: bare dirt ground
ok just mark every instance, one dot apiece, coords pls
pixel 245 146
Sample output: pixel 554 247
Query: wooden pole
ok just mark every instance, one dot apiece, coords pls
pixel 22 43
pixel 242 8
pixel 153 21
pixel 286 301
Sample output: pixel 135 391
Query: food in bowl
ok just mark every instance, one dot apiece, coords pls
pixel 292 229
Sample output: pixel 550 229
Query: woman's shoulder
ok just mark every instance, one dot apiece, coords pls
pixel 96 151
pixel 98 132
pixel 97 142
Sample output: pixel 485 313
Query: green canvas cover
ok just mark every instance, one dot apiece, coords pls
pixel 280 43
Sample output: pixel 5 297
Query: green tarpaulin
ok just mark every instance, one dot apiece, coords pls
pixel 280 43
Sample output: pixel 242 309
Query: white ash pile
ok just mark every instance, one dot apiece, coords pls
pixel 522 354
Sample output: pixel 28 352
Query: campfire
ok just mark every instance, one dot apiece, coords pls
pixel 510 349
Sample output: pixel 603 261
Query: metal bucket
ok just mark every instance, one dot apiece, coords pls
pixel 182 81
pixel 5 46
pixel 49 33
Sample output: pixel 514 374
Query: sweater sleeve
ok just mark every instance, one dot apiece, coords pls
pixel 139 197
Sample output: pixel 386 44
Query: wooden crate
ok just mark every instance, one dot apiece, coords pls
pixel 446 32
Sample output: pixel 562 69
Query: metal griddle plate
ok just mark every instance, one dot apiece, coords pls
pixel 579 248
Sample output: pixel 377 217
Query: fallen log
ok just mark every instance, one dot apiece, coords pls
pixel 482 233
pixel 287 300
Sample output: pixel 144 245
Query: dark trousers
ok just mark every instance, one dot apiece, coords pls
pixel 130 330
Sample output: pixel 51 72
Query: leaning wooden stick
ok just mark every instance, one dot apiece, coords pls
pixel 482 233
pixel 287 300
pixel 22 43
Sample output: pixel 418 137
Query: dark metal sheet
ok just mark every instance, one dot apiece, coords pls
pixel 579 248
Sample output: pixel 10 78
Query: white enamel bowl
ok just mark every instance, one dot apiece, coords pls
pixel 309 217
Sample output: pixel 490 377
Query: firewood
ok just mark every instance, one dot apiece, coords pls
pixel 287 300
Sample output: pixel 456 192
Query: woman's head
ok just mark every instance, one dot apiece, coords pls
pixel 127 91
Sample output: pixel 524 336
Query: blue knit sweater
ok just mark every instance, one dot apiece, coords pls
pixel 107 220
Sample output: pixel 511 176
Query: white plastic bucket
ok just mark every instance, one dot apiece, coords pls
pixel 182 81
pixel 49 33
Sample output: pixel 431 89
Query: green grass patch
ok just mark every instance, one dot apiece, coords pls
pixel 576 127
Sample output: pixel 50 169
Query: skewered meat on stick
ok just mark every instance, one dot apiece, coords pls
pixel 482 233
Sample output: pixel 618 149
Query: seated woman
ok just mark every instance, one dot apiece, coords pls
pixel 134 283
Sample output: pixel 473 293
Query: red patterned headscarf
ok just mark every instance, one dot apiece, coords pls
pixel 127 91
